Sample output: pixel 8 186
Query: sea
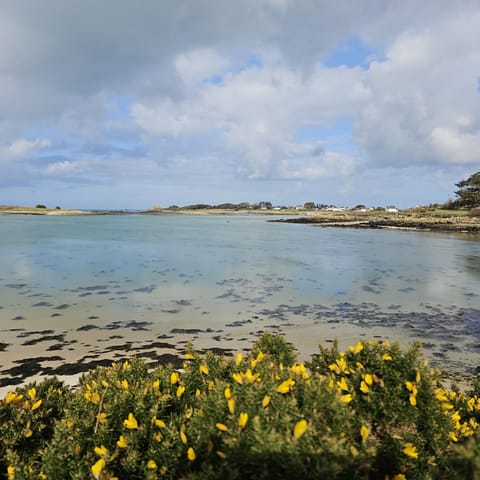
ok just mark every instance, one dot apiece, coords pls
pixel 233 277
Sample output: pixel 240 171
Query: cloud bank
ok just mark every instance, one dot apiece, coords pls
pixel 177 102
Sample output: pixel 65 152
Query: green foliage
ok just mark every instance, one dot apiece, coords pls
pixel 374 411
pixel 40 206
pixel 468 194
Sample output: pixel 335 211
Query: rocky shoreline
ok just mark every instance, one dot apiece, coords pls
pixel 404 221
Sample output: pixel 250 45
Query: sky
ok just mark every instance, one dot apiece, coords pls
pixel 126 104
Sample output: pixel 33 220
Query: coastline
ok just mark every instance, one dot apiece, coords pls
pixel 67 349
pixel 28 355
pixel 403 220
pixel 398 221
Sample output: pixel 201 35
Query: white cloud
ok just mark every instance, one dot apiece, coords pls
pixel 199 64
pixel 453 146
pixel 255 114
pixel 425 105
pixel 21 148
pixel 227 86
pixel 67 167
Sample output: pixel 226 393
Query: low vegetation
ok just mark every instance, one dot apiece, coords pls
pixel 374 411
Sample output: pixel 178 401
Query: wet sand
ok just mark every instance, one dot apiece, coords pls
pixel 450 340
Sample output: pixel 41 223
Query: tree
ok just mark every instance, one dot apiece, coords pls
pixel 469 192
pixel 309 205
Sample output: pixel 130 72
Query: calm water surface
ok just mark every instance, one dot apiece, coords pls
pixel 215 272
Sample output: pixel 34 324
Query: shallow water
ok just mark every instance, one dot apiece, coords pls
pixel 221 273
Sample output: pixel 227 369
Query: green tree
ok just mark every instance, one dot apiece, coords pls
pixel 469 192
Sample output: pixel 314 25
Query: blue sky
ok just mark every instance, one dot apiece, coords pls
pixel 127 105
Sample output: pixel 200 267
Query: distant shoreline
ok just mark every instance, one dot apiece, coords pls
pixel 446 221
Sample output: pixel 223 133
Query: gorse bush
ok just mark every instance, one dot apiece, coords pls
pixel 374 411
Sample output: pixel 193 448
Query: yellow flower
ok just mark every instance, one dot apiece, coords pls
pixel 342 384
pixel 418 377
pixel 98 467
pixel 368 379
pixel 131 423
pixel 13 397
pixel 300 428
pixel 299 369
pixel 340 366
pixel 441 395
pixel 93 397
pixel 102 418
pixel 453 437
pixel 346 398
pixel 191 454
pixel 359 347
pixel 411 387
pixel 238 358
pixel 159 423
pixel 231 405
pixel 250 377
pixel 158 437
pixel 246 378
pixel 174 378
pixel 221 426
pixel 105 383
pixel 28 433
pixel 124 384
pixel 180 391
pixel 242 419
pixel 399 476
pixel 211 385
pixel 32 393
pixel 121 443
pixel 364 387
pixel 285 386
pixel 183 436
pixel 410 450
pixel 11 472
pixel 101 451
pixel 163 470
pixel 364 432
pixel 188 356
pixel 203 369
pixel 266 401
pixel 227 393
pixel 151 465
pixel 221 454
pixel 36 404
pixel 126 365
pixel 387 357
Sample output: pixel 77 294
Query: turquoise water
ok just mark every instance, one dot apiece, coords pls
pixel 208 272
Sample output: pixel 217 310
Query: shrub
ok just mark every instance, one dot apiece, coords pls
pixel 374 411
